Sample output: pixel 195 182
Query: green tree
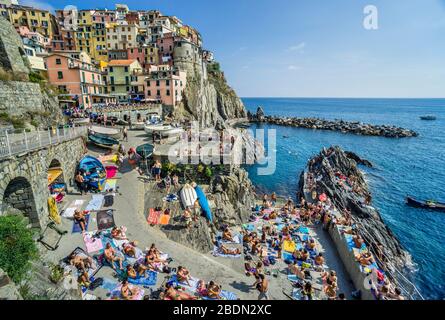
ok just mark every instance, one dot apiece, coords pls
pixel 17 247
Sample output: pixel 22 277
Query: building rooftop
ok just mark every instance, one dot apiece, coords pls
pixel 120 62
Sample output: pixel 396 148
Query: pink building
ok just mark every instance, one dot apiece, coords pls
pixel 77 79
pixel 165 86
pixel 166 45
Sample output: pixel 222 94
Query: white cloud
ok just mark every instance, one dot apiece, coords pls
pixel 37 4
pixel 298 48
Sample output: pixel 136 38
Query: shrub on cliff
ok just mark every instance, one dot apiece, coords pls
pixel 17 247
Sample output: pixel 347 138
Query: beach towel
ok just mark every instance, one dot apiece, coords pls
pixel 150 279
pixel 95 203
pixel 76 225
pixel 304 230
pixel 105 219
pixel 164 219
pixel 153 216
pixel 225 295
pixel 109 284
pixel 217 253
pixel 111 171
pixel 110 185
pixel 109 200
pixel 289 246
pixel 73 206
pixel 65 264
pixel 115 294
pixel 193 283
pixel 249 227
pixel 286 256
pixel 93 243
pixel 109 158
pixel 170 198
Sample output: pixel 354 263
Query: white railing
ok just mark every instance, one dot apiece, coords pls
pixel 23 142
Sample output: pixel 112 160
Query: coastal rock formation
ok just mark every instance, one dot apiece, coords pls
pixel 233 196
pixel 335 125
pixel 324 168
pixel 208 99
pixel 8 290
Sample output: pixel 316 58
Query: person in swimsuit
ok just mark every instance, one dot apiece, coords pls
pixel 183 275
pixel 118 234
pixel 127 292
pixel 229 251
pixel 263 287
pixel 173 294
pixel 227 235
pixel 319 260
pixel 80 218
pixel 111 257
pixel 84 279
pixel 157 170
pixel 213 290
pixel 131 272
pixel 130 249
pixel 81 263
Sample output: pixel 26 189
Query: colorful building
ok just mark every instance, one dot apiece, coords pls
pixel 77 78
pixel 121 37
pixel 165 86
pixel 36 20
pixel 119 78
pixel 145 55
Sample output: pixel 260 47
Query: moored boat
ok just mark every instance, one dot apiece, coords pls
pixel 94 171
pixel 428 204
pixel 188 196
pixel 428 118
pixel 81 121
pixel 145 150
pixel 163 129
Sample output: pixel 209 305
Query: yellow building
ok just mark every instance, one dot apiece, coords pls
pixel 36 20
pixel 91 34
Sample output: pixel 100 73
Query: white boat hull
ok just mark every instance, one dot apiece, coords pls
pixel 188 196
pixel 165 130
pixel 138 126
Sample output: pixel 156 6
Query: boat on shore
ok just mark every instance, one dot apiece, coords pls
pixel 428 118
pixel 104 131
pixel 163 129
pixel 428 204
pixel 81 121
pixel 103 141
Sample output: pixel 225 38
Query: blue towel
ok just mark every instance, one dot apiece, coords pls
pixel 76 226
pixel 304 230
pixel 249 227
pixel 109 284
pixel 149 280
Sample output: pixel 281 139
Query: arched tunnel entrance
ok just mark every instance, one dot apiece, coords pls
pixel 19 195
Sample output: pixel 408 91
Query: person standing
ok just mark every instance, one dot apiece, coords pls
pixel 263 287
pixel 80 181
pixel 125 134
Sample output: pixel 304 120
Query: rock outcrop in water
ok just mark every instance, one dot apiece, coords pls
pixel 325 168
pixel 335 125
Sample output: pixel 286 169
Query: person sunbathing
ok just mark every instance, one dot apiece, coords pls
pixel 229 251
pixel 80 218
pixel 249 269
pixel 227 235
pixel 358 241
pixel 298 271
pixel 331 291
pixel 83 279
pixel 183 275
pixel 319 260
pixel 131 272
pixel 127 292
pixel 81 263
pixel 111 257
pixel 213 290
pixel 118 234
pixel 329 278
pixel 153 256
pixel 272 215
pixel 130 249
pixel 141 269
pixel 311 244
pixel 365 259
pixel 173 294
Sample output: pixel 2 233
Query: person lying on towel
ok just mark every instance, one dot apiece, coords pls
pixel 213 290
pixel 170 293
pixel 80 262
pixel 83 279
pixel 183 275
pixel 111 257
pixel 80 218
pixel 127 292
pixel 227 235
pixel 130 249
pixel 229 251
pixel 118 233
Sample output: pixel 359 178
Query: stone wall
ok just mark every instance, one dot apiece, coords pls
pixel 12 54
pixel 8 290
pixel 26 100
pixel 24 179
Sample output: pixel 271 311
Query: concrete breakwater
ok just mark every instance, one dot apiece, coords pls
pixel 334 125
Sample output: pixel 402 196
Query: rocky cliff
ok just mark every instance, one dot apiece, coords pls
pixel 325 168
pixel 208 98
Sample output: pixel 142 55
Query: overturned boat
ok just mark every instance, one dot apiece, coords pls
pixel 104 131
pixel 166 130
pixel 103 141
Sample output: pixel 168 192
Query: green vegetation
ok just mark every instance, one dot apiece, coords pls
pixel 36 77
pixel 214 67
pixel 17 247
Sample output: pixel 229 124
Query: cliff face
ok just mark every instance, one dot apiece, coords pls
pixel 208 98
pixel 368 220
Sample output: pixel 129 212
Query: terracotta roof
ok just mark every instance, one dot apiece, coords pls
pixel 120 62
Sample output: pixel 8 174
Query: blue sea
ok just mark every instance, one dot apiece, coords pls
pixel 408 166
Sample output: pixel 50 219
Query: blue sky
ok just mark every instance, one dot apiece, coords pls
pixel 314 48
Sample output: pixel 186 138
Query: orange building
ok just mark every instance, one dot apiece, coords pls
pixel 77 78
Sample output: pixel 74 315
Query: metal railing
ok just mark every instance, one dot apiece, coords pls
pixel 22 142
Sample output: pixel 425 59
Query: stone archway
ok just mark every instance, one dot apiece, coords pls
pixel 19 195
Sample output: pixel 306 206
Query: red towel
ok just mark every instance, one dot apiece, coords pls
pixel 153 216
pixel 111 171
